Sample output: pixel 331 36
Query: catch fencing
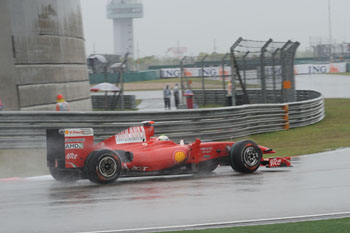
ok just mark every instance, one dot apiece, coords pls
pixel 267 66
pixel 27 129
pixel 335 52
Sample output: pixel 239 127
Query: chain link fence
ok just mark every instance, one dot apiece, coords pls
pixel 263 71
pixel 332 53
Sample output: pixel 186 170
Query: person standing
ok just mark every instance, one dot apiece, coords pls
pixel 176 93
pixel 167 96
pixel 61 105
pixel 1 105
pixel 229 94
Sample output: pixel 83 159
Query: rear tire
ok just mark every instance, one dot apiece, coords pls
pixel 103 167
pixel 245 156
pixel 64 175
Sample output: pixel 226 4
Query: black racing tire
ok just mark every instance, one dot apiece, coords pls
pixel 207 167
pixel 103 166
pixel 64 175
pixel 245 156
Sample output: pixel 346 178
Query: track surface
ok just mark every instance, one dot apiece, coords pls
pixel 317 184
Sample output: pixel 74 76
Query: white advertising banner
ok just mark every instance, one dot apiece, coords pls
pixel 195 72
pixel 320 68
pixel 217 71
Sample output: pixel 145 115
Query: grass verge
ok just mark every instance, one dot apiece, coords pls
pixel 322 226
pixel 331 133
pixel 159 84
pixel 346 73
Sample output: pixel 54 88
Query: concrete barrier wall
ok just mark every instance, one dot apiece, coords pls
pixel 49 55
pixel 8 88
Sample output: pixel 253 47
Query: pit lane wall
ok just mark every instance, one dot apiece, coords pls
pixel 27 129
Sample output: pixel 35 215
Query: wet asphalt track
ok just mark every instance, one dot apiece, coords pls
pixel 317 184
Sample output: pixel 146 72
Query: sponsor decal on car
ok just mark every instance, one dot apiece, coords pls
pixel 70 156
pixel 131 135
pixel 74 146
pixel 179 156
pixel 75 140
pixel 207 150
pixel 276 162
pixel 78 132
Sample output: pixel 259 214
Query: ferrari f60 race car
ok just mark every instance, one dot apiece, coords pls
pixel 72 155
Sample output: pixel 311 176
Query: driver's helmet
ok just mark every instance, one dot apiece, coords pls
pixel 163 138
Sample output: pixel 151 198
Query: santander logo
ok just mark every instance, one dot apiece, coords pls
pixel 275 162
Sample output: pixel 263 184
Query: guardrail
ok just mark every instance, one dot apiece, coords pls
pixel 27 129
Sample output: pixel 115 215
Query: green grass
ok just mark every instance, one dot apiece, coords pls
pixel 138 102
pixel 165 81
pixel 346 73
pixel 178 80
pixel 211 106
pixel 323 226
pixel 117 109
pixel 331 133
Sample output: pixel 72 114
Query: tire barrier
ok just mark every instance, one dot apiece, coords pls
pixel 27 129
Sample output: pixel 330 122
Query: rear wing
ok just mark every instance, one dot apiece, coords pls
pixel 68 148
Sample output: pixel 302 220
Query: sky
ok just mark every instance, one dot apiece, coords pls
pixel 202 25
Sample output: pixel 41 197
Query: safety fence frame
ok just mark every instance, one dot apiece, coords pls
pixel 270 69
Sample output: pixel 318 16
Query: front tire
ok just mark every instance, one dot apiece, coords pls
pixel 103 167
pixel 245 156
pixel 64 175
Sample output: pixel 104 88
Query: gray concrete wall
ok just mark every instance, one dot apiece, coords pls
pixel 8 90
pixel 49 53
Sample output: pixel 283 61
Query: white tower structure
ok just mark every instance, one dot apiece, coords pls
pixel 123 12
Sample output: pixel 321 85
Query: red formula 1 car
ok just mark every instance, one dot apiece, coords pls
pixel 72 155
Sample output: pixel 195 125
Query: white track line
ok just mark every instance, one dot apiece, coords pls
pixel 233 223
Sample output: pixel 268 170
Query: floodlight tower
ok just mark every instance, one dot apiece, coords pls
pixel 123 12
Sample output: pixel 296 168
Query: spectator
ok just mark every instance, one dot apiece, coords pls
pixel 229 94
pixel 1 105
pixel 61 105
pixel 167 96
pixel 176 93
pixel 229 89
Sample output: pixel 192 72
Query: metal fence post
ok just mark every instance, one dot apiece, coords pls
pixel 203 80
pixel 283 67
pixel 274 73
pixel 289 87
pixel 125 63
pixel 223 63
pixel 181 79
pixel 262 70
pixel 245 68
pixel 234 70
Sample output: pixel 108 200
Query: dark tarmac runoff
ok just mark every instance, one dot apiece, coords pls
pixel 317 184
